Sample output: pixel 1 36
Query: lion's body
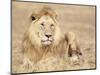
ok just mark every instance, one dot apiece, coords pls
pixel 38 47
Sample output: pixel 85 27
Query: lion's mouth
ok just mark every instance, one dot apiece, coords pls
pixel 46 42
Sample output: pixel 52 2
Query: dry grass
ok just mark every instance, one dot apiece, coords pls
pixel 78 19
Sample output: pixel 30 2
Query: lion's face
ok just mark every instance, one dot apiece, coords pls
pixel 46 30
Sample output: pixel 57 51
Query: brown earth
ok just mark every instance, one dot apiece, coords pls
pixel 78 19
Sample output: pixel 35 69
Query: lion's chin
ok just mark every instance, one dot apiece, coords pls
pixel 46 43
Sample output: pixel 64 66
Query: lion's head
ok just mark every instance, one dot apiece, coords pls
pixel 43 35
pixel 44 29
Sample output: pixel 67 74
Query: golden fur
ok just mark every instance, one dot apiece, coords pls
pixel 62 44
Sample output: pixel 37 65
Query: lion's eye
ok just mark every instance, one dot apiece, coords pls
pixel 52 25
pixel 42 24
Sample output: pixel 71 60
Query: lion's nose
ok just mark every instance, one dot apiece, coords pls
pixel 48 35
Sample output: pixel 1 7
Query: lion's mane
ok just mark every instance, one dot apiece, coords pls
pixel 31 43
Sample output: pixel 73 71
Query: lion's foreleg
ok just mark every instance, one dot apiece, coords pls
pixel 28 65
pixel 73 47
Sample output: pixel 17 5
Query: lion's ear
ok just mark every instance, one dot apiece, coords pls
pixel 33 16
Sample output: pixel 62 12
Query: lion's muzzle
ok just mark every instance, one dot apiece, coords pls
pixel 47 40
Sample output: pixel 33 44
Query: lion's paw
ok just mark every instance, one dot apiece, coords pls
pixel 75 60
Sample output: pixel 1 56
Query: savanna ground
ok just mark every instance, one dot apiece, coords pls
pixel 74 18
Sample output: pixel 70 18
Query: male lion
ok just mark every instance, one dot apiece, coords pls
pixel 44 42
